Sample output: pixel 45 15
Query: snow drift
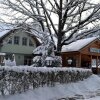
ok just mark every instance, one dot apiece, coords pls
pixel 84 88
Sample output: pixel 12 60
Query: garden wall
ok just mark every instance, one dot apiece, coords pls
pixel 18 79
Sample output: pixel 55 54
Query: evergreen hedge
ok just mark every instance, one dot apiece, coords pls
pixel 17 81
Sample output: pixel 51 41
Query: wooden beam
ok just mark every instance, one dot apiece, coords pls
pixel 91 61
pixel 80 60
pixel 97 64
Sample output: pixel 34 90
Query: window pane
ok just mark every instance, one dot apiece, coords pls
pixel 30 43
pixel 10 41
pixel 28 60
pixel 16 39
pixel 24 41
pixel 94 63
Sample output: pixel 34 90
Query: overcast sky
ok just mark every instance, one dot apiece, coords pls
pixel 7 18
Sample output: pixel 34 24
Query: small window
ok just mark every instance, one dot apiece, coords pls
pixel 16 39
pixel 24 41
pixel 10 41
pixel 31 43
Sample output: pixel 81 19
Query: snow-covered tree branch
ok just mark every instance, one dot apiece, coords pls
pixel 63 18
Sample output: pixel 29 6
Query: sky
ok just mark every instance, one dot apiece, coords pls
pixel 2 11
pixel 96 1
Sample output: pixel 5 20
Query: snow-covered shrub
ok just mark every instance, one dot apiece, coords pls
pixel 46 50
pixel 9 62
pixel 18 79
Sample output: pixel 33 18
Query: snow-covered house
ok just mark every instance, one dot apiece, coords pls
pixel 82 53
pixel 17 42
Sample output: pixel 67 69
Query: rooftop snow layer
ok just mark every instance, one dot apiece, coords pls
pixel 77 45
pixel 3 33
pixel 4 29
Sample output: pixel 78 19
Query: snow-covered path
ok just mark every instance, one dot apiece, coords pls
pixel 89 89
pixel 88 96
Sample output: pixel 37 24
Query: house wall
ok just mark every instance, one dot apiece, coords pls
pixel 20 49
pixel 74 56
pixel 84 56
pixel 94 44
pixel 19 59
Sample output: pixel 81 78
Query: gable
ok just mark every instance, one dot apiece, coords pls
pixel 18 48
pixel 19 33
pixel 92 48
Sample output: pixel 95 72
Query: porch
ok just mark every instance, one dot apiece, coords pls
pixel 81 60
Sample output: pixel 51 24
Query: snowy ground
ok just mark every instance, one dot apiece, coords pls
pixel 89 89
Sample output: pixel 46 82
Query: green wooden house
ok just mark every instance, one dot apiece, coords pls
pixel 20 43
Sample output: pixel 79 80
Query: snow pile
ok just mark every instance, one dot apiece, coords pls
pixel 91 84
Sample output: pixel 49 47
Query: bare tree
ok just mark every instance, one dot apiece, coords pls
pixel 63 18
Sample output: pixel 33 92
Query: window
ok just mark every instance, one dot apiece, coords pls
pixel 30 43
pixel 24 41
pixel 16 39
pixel 94 63
pixel 10 41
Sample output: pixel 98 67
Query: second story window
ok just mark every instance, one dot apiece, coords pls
pixel 16 39
pixel 24 41
pixel 31 43
pixel 10 41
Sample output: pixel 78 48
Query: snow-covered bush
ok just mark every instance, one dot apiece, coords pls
pixel 9 62
pixel 46 50
pixel 18 79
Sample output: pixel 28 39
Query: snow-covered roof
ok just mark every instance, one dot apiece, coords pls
pixel 5 28
pixel 77 45
pixel 2 33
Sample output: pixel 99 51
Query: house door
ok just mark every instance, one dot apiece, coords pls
pixel 86 61
pixel 28 60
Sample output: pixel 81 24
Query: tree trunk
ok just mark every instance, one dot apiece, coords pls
pixel 59 46
pixel 59 28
